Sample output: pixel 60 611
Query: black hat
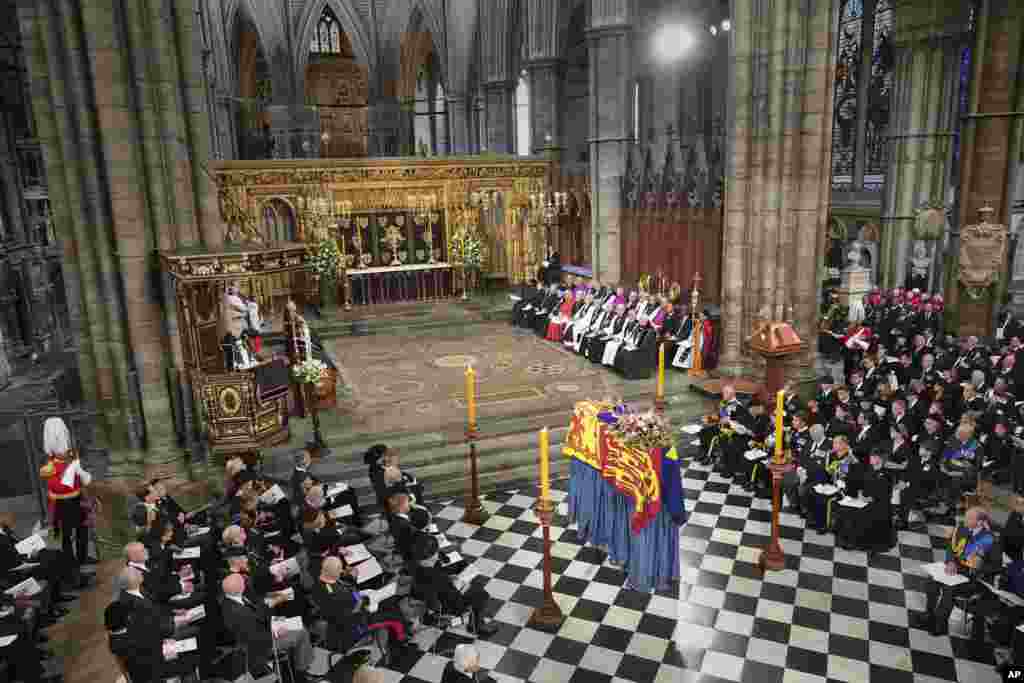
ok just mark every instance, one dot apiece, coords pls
pixel 374 453
pixel 424 546
pixel 419 517
pixel 117 616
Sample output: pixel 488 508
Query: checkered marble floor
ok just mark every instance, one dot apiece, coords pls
pixel 831 615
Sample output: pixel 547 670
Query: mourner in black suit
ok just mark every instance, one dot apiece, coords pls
pixel 249 621
pixel 53 567
pixel 349 614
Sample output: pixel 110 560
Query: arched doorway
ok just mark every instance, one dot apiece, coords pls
pixel 338 86
pixel 254 91
pixel 279 221
pixel 279 225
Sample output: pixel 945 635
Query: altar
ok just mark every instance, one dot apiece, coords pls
pixel 406 229
pixel 388 284
pixel 627 499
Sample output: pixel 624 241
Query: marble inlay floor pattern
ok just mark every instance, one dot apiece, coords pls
pixel 415 379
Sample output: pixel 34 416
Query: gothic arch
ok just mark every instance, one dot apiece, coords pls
pixel 354 30
pixel 269 40
pixel 565 18
pixel 416 45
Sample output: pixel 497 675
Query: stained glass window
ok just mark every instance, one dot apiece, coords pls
pixel 844 125
pixel 879 99
pixel 327 39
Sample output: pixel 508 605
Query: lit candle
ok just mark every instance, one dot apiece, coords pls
pixel 779 411
pixel 471 395
pixel 545 466
pixel 661 371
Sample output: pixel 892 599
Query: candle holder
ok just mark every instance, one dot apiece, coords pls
pixel 772 557
pixel 474 513
pixel 659 392
pixel 547 617
pixel 317 445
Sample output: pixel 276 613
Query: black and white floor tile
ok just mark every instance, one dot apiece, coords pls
pixel 831 615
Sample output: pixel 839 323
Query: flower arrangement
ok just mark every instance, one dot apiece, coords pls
pixel 468 249
pixel 326 260
pixel 643 430
pixel 309 371
pixel 473 252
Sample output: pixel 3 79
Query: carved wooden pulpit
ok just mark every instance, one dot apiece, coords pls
pixel 774 341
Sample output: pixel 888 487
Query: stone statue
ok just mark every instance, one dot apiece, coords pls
pixel 920 266
pixel 854 255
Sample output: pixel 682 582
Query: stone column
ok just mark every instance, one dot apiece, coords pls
pixel 545 93
pixel 5 364
pixel 924 111
pixel 119 101
pixel 991 140
pixel 500 98
pixel 777 179
pixel 609 38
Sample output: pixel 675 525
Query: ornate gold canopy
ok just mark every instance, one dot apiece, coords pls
pixel 489 195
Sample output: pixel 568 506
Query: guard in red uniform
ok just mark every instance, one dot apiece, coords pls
pixel 65 478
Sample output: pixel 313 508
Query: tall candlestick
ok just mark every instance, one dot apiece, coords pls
pixel 780 402
pixel 545 466
pixel 661 371
pixel 471 396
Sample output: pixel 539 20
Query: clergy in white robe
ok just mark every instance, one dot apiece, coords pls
pixel 580 321
pixel 600 322
pixel 684 350
pixel 615 343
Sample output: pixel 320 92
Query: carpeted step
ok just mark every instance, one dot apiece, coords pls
pixel 506 451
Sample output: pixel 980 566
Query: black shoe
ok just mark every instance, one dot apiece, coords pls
pixel 923 621
pixel 64 598
pixel 58 612
pixel 89 560
pixel 485 629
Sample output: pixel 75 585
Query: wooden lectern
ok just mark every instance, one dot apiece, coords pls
pixel 775 342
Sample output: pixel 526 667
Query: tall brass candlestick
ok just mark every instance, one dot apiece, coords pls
pixel 659 393
pixel 548 616
pixel 772 557
pixel 780 412
pixel 474 512
pixel 471 397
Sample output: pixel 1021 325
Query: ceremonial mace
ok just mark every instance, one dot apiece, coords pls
pixel 474 512
pixel 547 617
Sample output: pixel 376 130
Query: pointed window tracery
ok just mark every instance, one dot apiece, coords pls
pixel 327 40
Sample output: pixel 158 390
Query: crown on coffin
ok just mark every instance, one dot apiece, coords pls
pixel 775 338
